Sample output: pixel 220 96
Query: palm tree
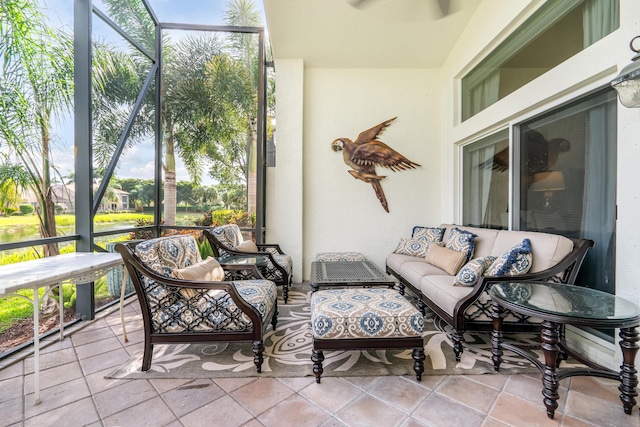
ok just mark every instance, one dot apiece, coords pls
pixel 36 85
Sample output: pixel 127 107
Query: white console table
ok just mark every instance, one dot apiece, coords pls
pixel 78 267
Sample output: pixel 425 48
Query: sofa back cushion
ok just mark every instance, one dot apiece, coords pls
pixel 547 249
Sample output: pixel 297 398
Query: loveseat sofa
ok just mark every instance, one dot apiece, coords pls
pixel 454 283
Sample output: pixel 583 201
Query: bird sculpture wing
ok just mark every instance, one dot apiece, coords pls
pixel 371 134
pixel 377 153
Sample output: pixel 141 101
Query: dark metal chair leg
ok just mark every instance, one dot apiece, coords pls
pixel 317 357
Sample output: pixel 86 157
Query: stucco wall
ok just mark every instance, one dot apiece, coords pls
pixel 342 213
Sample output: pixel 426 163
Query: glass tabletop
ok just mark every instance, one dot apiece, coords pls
pixel 240 259
pixel 566 301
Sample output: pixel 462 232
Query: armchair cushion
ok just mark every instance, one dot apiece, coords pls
pixel 247 246
pixel 208 270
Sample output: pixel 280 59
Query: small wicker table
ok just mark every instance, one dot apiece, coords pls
pixel 347 273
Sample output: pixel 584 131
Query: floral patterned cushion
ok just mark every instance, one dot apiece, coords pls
pixel 470 273
pixel 430 234
pixel 413 247
pixel 363 313
pixel 515 262
pixel 229 235
pixel 165 254
pixel 461 241
pixel 340 256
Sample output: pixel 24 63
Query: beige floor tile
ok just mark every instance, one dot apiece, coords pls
pixel 600 388
pixel 103 346
pixel 79 413
pixel 496 381
pixel 568 421
pixel 51 377
pixel 56 397
pixel 12 410
pixel 253 423
pixel 492 422
pixel 363 383
pixel 163 385
pixel 468 392
pixel 12 370
pixel 87 336
pixel 192 395
pixel 599 412
pixel 368 411
pixel 403 393
pixel 98 383
pixel 153 412
pixel 100 362
pixel 297 384
pixel 294 412
pixel 50 360
pixel 530 389
pixel 412 422
pixel 332 422
pixel 124 396
pixel 224 412
pixel 260 395
pixel 440 411
pixel 231 384
pixel 53 343
pixel 332 394
pixel 11 388
pixel 518 412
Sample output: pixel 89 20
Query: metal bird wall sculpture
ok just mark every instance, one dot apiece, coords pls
pixel 367 152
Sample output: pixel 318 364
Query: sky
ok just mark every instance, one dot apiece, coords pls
pixel 138 161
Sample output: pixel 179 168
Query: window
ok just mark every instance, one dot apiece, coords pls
pixel 555 33
pixel 563 168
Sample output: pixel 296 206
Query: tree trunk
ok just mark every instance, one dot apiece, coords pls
pixel 170 188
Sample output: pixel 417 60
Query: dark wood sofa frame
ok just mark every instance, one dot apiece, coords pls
pixel 565 271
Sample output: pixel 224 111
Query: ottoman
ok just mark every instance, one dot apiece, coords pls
pixel 365 319
pixel 340 256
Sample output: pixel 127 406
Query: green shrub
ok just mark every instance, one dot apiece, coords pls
pixel 26 209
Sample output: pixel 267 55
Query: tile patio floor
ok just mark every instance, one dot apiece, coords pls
pixel 74 392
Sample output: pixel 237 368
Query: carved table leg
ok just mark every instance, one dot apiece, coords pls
pixel 628 372
pixel 550 348
pixel 285 292
pixel 496 336
pixel 317 357
pixel 418 362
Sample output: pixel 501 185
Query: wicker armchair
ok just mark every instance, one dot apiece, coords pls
pixel 226 240
pixel 178 310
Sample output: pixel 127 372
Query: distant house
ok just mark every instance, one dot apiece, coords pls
pixel 65 195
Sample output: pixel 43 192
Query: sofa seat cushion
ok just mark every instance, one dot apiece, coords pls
pixel 414 271
pixel 395 261
pixel 440 290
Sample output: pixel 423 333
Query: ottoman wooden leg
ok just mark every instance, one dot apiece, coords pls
pixel 418 362
pixel 317 357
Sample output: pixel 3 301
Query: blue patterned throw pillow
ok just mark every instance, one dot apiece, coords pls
pixel 413 247
pixel 462 241
pixel 430 234
pixel 470 273
pixel 515 262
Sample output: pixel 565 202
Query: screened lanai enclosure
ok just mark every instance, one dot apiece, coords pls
pixel 165 130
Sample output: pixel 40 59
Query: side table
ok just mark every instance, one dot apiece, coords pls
pixel 559 305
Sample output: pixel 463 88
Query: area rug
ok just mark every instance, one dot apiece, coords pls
pixel 288 353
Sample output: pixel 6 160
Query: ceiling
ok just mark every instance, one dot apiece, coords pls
pixel 366 33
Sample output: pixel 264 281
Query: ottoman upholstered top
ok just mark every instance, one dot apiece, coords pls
pixel 363 313
pixel 340 256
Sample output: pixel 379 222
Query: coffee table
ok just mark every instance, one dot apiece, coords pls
pixel 347 273
pixel 559 305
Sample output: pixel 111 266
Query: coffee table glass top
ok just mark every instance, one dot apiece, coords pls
pixel 567 301
pixel 348 272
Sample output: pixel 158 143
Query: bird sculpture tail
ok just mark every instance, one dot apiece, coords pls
pixel 379 193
